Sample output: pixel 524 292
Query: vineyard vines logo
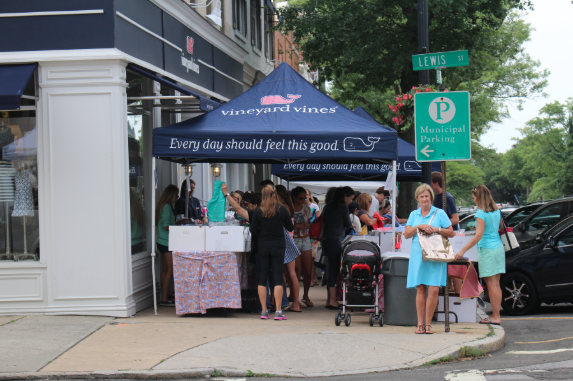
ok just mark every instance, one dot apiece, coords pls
pixel 358 144
pixel 278 99
pixel 190 42
pixel 190 64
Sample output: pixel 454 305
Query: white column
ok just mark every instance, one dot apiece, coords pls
pixel 84 187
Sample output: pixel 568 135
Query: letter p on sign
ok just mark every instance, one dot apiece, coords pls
pixel 442 110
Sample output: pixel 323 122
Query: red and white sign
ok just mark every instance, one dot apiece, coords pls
pixel 190 43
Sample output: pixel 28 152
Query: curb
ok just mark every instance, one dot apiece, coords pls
pixel 488 344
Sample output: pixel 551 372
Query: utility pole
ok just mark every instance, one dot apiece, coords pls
pixel 424 47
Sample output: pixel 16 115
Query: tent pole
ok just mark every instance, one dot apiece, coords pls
pixel 153 234
pixel 187 194
pixel 288 183
pixel 394 205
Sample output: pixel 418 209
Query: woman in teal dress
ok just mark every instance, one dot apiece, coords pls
pixel 491 252
pixel 426 277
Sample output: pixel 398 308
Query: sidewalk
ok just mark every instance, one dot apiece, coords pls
pixel 307 344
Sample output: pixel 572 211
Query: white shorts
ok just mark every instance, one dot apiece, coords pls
pixel 303 244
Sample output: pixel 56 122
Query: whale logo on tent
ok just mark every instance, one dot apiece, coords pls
pixel 358 144
pixel 278 99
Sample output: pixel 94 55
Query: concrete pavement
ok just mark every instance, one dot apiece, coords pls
pixel 167 345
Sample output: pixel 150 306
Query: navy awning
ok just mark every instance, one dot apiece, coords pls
pixel 13 81
pixel 408 168
pixel 205 104
pixel 284 119
pixel 270 5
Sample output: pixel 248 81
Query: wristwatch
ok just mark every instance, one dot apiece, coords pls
pixel 228 194
pixel 439 230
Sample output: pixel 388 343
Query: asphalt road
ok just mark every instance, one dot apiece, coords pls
pixel 547 336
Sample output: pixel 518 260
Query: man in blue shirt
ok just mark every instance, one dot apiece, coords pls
pixel 195 210
pixel 452 209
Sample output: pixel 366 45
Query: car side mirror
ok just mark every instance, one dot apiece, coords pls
pixel 520 227
pixel 552 242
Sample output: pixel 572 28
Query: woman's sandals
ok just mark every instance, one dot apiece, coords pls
pixel 420 330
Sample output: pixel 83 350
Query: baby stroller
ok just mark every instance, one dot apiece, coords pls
pixel 360 266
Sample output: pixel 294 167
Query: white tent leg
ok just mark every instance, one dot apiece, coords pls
pixel 394 205
pixel 153 235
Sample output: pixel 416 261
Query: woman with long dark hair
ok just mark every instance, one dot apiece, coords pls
pixel 302 216
pixel 292 264
pixel 164 218
pixel 335 221
pixel 268 224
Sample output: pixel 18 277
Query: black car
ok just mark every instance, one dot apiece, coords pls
pixel 542 273
pixel 540 218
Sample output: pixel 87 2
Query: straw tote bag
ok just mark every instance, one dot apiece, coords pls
pixel 435 247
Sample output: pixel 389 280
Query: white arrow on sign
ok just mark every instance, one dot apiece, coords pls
pixel 425 150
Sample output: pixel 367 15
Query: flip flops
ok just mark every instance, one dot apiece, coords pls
pixel 488 321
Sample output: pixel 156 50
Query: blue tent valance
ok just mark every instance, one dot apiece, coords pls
pixel 407 167
pixel 283 119
pixel 13 81
pixel 205 104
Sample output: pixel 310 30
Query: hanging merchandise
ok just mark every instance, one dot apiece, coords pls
pixel 7 174
pixel 216 205
pixel 24 202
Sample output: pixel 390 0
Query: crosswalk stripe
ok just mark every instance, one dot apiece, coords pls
pixel 472 375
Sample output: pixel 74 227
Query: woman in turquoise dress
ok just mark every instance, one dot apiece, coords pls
pixel 426 277
pixel 491 252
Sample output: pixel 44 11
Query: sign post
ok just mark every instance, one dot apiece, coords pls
pixel 443 133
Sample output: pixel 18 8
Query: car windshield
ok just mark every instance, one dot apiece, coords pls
pixel 519 215
pixel 468 223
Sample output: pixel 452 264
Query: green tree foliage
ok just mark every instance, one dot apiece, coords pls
pixel 462 177
pixel 542 159
pixel 366 48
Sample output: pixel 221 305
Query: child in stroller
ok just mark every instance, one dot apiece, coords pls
pixel 360 266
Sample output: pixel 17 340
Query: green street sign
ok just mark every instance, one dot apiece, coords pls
pixel 442 60
pixel 442 122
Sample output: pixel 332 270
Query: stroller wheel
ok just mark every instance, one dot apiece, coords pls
pixel 372 320
pixel 347 320
pixel 337 319
pixel 381 319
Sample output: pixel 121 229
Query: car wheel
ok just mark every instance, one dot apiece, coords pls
pixel 519 296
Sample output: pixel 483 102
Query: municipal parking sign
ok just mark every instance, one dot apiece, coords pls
pixel 442 122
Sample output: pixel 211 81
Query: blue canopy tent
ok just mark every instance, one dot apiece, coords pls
pixel 407 168
pixel 283 119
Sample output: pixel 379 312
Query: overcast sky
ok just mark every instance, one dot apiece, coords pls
pixel 551 44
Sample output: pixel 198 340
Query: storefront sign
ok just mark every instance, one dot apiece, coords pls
pixel 144 31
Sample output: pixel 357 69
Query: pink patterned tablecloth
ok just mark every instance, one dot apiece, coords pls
pixel 205 280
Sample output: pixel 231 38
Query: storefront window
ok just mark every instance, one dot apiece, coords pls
pixel 19 224
pixel 138 220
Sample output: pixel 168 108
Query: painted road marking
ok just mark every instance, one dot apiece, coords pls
pixel 541 342
pixel 542 318
pixel 539 352
pixel 472 375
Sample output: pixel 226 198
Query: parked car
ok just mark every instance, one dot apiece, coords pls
pixel 469 222
pixel 542 217
pixel 520 214
pixel 542 273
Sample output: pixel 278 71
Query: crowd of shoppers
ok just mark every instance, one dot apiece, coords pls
pixel 277 215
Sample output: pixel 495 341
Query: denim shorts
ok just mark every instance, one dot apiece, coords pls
pixel 303 244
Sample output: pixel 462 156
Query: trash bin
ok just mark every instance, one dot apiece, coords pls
pixel 399 301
